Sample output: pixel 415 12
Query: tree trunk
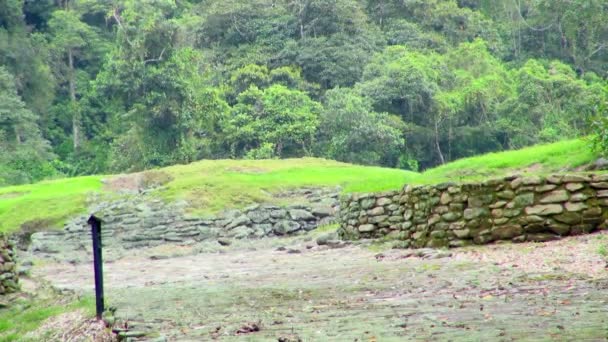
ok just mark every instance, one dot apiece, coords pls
pixel 441 158
pixel 75 113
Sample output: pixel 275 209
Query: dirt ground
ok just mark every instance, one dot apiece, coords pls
pixel 524 292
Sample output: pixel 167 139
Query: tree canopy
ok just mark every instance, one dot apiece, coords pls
pixel 93 86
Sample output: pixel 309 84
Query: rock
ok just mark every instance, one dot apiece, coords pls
pixel 532 219
pixel 301 215
pixel 569 218
pixel 507 194
pixel 472 213
pixel 368 203
pixel 516 183
pixel 599 164
pixel 592 212
pixel 322 211
pixel 442 209
pixel 451 216
pixel 512 212
pixel 238 221
pixel 576 206
pixel 382 201
pixel 544 210
pixel 376 211
pixel 580 197
pixel 462 233
pixel 480 200
pixel 523 200
pixel 600 178
pixel 556 196
pixel 531 180
pixel 366 228
pixel 506 232
pixel 285 227
pixel 378 219
pixel 324 239
pixel 278 213
pixel 445 198
pixel 498 205
pixel 602 194
pixel 572 187
pixel 575 179
pixel 541 237
pixel 433 219
pixel 242 232
pixel 395 219
pixel 545 188
pixel 559 228
pixel 501 221
pixel 600 185
pixel 438 234
pixel 258 216
pixel 224 242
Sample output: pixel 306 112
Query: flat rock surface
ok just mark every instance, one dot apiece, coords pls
pixel 533 291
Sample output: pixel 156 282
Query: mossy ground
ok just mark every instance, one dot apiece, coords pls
pixel 210 186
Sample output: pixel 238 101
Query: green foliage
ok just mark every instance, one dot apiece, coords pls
pixel 283 117
pixel 351 132
pixel 25 154
pixel 119 85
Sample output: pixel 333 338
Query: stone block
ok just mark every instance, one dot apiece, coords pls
pixel 506 232
pixel 545 188
pixel 451 216
pixel 473 213
pixel 575 206
pixel 556 196
pixel 545 209
pixel 382 201
pixel 366 228
pixel 377 211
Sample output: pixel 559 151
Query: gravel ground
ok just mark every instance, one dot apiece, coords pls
pixel 532 292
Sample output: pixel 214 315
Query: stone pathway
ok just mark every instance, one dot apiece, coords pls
pixel 532 291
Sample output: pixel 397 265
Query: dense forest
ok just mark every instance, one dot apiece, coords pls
pixel 99 86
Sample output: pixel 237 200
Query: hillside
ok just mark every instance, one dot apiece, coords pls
pixel 210 186
pixel 104 87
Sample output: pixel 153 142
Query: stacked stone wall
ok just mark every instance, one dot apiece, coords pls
pixel 9 281
pixel 514 208
pixel 140 222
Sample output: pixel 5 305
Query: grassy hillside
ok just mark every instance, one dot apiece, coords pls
pixel 210 186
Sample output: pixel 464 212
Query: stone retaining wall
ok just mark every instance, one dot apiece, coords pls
pixel 8 267
pixel 139 222
pixel 514 208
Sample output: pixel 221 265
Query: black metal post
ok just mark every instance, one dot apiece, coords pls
pixel 97 264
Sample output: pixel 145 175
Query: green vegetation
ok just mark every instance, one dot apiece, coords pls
pixel 210 186
pixel 46 203
pixel 28 315
pixel 98 86
pixel 541 159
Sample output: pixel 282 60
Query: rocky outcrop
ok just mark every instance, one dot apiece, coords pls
pixel 514 208
pixel 9 281
pixel 139 222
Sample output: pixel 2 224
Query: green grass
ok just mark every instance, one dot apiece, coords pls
pixel 210 186
pixel 20 319
pixel 48 202
pixel 539 159
pixel 213 185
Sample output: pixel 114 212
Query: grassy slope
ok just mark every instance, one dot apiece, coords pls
pixel 212 185
pixel 17 320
